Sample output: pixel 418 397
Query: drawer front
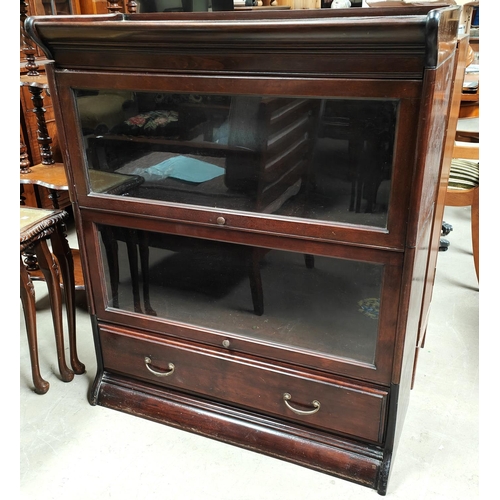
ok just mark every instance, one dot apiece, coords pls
pixel 312 400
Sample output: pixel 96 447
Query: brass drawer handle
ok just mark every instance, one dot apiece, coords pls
pixel 287 397
pixel 171 368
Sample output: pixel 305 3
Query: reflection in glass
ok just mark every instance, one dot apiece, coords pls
pixel 314 303
pixel 321 159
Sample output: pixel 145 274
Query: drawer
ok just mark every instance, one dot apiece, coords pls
pixel 311 399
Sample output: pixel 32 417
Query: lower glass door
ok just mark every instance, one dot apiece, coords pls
pixel 311 303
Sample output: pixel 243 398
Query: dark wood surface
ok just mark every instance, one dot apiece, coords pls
pixel 244 383
pixel 313 53
pixel 454 107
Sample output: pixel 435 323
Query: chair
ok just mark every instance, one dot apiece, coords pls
pixel 37 226
pixel 368 128
pixel 463 188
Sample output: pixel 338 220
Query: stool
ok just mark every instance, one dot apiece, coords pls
pixel 37 227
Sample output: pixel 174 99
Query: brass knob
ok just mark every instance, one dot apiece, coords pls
pixel 221 221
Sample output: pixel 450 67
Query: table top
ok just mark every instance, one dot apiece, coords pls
pixel 30 216
pixel 38 223
pixel 49 176
pixel 34 81
pixel 111 182
pixel 54 177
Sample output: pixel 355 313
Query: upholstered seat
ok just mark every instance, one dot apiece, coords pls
pixel 464 174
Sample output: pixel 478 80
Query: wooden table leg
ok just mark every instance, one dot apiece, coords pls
pixel 28 302
pixel 48 268
pixel 62 252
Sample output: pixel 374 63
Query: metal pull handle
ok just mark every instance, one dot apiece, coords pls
pixel 287 397
pixel 171 368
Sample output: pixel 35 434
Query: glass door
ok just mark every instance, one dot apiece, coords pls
pixel 324 309
pixel 329 160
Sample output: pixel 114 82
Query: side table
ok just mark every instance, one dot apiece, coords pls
pixel 53 178
pixel 37 226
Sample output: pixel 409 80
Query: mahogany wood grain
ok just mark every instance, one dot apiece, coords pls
pixel 322 452
pixel 454 104
pixel 403 55
pixel 247 383
pixel 27 292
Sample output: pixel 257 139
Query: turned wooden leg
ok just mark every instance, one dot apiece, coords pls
pixel 113 7
pixel 29 309
pixel 54 198
pixel 48 268
pixel 27 45
pixel 44 139
pixel 24 161
pixel 62 252
pixel 131 7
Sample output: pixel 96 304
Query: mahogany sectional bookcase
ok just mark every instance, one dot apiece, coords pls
pixel 254 195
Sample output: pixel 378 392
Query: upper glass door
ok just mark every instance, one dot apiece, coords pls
pixel 308 158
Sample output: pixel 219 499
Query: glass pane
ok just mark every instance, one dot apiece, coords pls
pixel 320 159
pixel 315 303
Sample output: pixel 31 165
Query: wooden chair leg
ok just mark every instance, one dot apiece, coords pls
pixel 309 260
pixel 29 309
pixel 62 252
pixel 475 230
pixel 134 273
pixel 48 268
pixel 256 255
pixel 143 239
